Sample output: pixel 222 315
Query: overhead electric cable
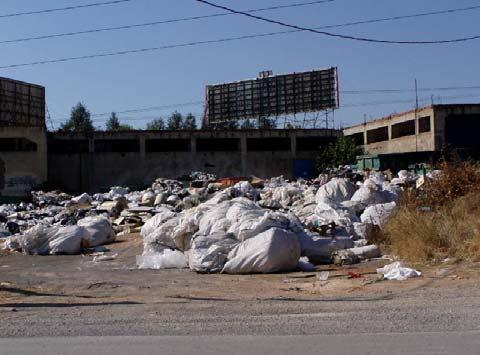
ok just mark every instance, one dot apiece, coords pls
pixel 330 34
pixel 161 22
pixel 397 91
pixel 98 116
pixel 67 8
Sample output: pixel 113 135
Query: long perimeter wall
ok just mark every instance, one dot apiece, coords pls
pixel 92 163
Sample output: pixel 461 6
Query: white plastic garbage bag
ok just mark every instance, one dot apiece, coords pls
pixel 167 259
pixel 396 271
pixel 67 240
pixel 319 249
pixel 366 252
pixel 335 191
pixel 271 251
pixel 99 230
pixel 378 214
pixel 41 240
pixel 209 253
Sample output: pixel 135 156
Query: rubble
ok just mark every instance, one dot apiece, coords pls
pixel 230 225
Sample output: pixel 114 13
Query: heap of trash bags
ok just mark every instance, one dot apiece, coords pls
pixel 209 226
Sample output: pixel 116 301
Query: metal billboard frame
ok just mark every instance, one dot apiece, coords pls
pixel 272 96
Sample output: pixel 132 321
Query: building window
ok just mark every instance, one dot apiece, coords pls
pixel 268 144
pixel 117 145
pixel 403 129
pixel 218 145
pixel 17 145
pixel 377 135
pixel 167 145
pixel 358 138
pixel 424 124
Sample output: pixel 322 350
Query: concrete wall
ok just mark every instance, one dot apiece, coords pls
pixel 22 170
pixel 262 153
pixel 418 142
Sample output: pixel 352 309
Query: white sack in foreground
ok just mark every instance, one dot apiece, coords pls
pixel 271 251
pixel 396 271
pixel 99 230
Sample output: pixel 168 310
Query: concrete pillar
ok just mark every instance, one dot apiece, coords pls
pixel 142 146
pixel 193 144
pixel 243 152
pixel 91 145
pixel 389 132
pixel 293 145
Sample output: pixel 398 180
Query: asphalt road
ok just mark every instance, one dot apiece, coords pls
pixel 382 343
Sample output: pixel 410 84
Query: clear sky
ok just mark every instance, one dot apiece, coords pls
pixel 179 75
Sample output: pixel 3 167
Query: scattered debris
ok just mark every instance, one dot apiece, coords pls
pixel 397 271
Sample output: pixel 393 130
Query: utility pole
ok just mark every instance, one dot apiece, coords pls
pixel 416 116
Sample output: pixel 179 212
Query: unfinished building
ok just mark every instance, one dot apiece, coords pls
pixel 427 130
pixel 23 141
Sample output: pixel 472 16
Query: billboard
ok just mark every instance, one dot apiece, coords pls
pixel 21 104
pixel 268 96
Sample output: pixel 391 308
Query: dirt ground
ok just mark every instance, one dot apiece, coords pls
pixel 50 280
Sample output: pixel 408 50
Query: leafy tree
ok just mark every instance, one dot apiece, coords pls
pixel 190 123
pixel 343 151
pixel 113 123
pixel 79 121
pixel 247 124
pixel 156 125
pixel 175 121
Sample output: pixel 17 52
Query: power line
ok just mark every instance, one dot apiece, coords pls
pixel 75 7
pixel 161 22
pixel 141 50
pixel 192 18
pixel 98 116
pixel 398 91
pixel 330 34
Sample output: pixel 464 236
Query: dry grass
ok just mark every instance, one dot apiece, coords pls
pixel 450 227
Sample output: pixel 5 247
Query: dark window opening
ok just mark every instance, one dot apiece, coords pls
pixel 167 145
pixel 358 138
pixel 403 129
pixel 312 144
pixel 377 135
pixel 218 144
pixel 268 144
pixel 67 146
pixel 17 145
pixel 461 131
pixel 424 124
pixel 117 145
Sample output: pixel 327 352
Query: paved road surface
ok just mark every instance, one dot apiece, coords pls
pixel 387 343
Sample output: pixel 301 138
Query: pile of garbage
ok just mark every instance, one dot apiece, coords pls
pixel 211 226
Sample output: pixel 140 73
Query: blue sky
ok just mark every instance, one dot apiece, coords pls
pixel 179 75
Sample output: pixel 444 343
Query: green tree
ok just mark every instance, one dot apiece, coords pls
pixel 113 123
pixel 175 121
pixel 156 125
pixel 190 123
pixel 79 121
pixel 343 151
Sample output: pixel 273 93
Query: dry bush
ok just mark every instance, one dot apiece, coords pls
pixel 440 220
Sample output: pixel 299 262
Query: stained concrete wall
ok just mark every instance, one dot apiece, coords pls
pixel 77 166
pixel 22 171
pixel 418 142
